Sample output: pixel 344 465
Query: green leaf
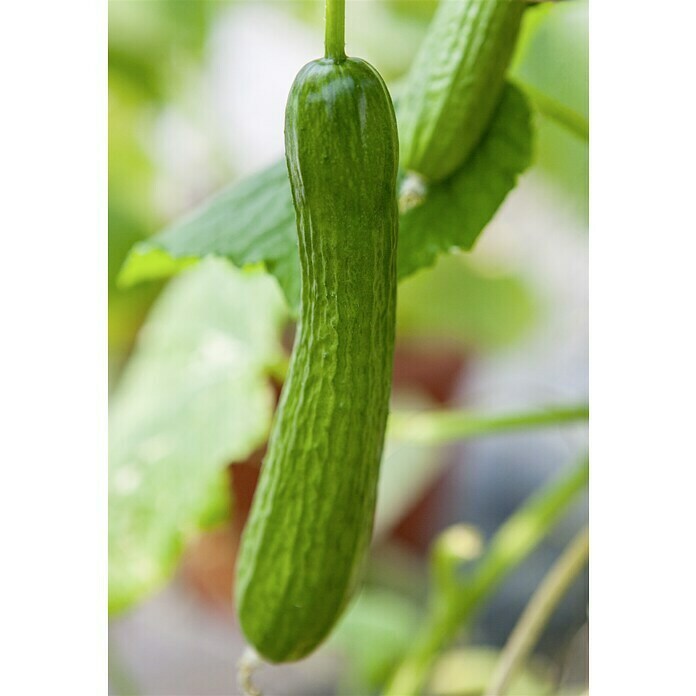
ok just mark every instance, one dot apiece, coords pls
pixel 457 210
pixel 463 304
pixel 467 672
pixel 373 635
pixel 254 222
pixel 554 46
pixel 555 110
pixel 156 263
pixel 251 222
pixel 407 469
pixel 194 397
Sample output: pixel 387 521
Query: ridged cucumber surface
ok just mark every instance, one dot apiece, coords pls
pixel 311 520
pixel 455 83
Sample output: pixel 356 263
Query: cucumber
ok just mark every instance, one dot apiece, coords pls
pixel 311 519
pixel 455 83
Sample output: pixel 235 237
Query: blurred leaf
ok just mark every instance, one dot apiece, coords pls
pixel 159 264
pixel 131 170
pixel 254 221
pixel 519 535
pixel 564 160
pixel 373 634
pixel 151 42
pixel 421 10
pixel 552 58
pixel 130 214
pixel 463 303
pixel 154 51
pixel 467 671
pixel 193 398
pixel 141 72
pixel 563 115
pixel 125 229
pixel 554 46
pixel 406 471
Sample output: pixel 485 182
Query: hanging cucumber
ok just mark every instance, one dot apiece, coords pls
pixel 455 83
pixel 311 520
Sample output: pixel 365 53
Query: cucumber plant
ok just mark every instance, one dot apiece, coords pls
pixel 311 520
pixel 466 135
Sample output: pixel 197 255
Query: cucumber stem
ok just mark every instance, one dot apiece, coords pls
pixel 436 427
pixel 335 37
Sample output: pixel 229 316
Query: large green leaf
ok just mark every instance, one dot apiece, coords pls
pixel 467 672
pixel 254 221
pixel 372 636
pixel 193 398
pixel 461 303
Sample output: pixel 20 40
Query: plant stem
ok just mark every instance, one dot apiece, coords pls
pixel 334 41
pixel 538 612
pixel 513 542
pixel 434 427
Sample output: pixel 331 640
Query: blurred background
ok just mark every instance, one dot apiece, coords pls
pixel 197 94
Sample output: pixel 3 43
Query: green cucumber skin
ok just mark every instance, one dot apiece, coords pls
pixel 310 524
pixel 455 83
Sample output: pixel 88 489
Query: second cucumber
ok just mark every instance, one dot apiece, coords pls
pixel 455 83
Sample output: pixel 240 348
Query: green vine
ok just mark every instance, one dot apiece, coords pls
pixel 435 427
pixel 451 610
pixel 538 611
